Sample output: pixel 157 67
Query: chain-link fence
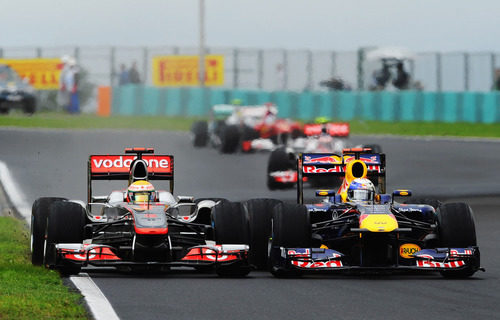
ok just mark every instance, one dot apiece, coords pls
pixel 277 69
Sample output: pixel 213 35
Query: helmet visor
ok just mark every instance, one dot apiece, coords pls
pixel 360 195
pixel 142 196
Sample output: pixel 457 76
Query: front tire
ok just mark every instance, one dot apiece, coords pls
pixel 259 213
pixel 65 224
pixel 291 228
pixel 230 227
pixel 39 214
pixel 457 230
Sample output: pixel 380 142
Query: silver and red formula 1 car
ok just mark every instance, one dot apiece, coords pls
pixel 376 234
pixel 120 230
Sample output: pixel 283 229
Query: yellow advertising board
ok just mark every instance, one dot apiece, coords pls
pixel 43 73
pixel 184 70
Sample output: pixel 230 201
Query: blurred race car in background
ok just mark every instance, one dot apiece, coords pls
pixel 139 228
pixel 233 128
pixel 15 93
pixel 361 228
pixel 322 137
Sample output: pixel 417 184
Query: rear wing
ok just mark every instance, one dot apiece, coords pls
pixel 136 164
pixel 311 164
pixel 334 129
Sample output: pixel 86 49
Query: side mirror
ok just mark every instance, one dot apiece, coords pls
pixel 400 193
pixel 325 193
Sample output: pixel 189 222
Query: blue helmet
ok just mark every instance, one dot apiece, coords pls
pixel 361 189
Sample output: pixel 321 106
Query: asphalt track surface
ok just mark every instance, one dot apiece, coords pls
pixel 53 163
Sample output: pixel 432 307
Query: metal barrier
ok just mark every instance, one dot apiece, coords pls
pixel 278 69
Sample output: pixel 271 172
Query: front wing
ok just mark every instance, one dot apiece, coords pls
pixel 318 259
pixel 102 255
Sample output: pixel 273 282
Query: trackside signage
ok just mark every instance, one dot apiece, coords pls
pixel 121 163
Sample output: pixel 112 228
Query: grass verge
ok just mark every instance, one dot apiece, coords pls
pixel 90 121
pixel 26 291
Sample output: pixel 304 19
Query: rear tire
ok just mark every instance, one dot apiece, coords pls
pixel 39 214
pixel 291 228
pixel 229 139
pixel 230 227
pixel 65 224
pixel 279 160
pixel 259 213
pixel 200 132
pixel 456 230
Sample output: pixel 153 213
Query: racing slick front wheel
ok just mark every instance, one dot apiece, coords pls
pixel 229 139
pixel 230 227
pixel 65 224
pixel 456 230
pixel 259 213
pixel 291 228
pixel 39 214
pixel 200 133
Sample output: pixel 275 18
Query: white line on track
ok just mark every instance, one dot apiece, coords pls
pixel 96 300
pixel 99 306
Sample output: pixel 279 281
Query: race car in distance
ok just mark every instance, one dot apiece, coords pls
pixel 139 228
pixel 359 228
pixel 14 92
pixel 247 128
pixel 329 137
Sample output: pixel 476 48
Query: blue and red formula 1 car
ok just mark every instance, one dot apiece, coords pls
pixel 139 228
pixel 361 228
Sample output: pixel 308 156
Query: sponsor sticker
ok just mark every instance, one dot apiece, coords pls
pixel 408 249
pixel 121 164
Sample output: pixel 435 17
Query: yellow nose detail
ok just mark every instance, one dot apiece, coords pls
pixel 379 223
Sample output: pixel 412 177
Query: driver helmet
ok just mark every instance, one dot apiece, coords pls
pixel 361 189
pixel 141 191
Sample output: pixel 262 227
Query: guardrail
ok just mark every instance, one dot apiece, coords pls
pixel 481 107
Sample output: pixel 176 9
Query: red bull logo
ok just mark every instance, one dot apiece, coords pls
pixel 308 159
pixel 369 159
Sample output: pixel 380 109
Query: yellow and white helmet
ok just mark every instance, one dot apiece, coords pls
pixel 141 191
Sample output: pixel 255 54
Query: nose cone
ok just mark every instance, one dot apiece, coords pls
pixel 378 222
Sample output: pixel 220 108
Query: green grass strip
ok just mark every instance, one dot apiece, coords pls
pixel 26 291
pixel 90 121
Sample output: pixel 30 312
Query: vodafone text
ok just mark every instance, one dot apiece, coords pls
pixel 125 163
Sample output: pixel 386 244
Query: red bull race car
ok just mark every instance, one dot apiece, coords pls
pixel 361 228
pixel 329 137
pixel 139 228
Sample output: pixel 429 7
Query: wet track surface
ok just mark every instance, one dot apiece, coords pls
pixel 49 163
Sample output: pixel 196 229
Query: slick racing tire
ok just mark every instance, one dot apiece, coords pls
pixel 65 224
pixel 456 230
pixel 259 213
pixel 229 139
pixel 291 228
pixel 279 160
pixel 230 227
pixel 39 214
pixel 200 133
